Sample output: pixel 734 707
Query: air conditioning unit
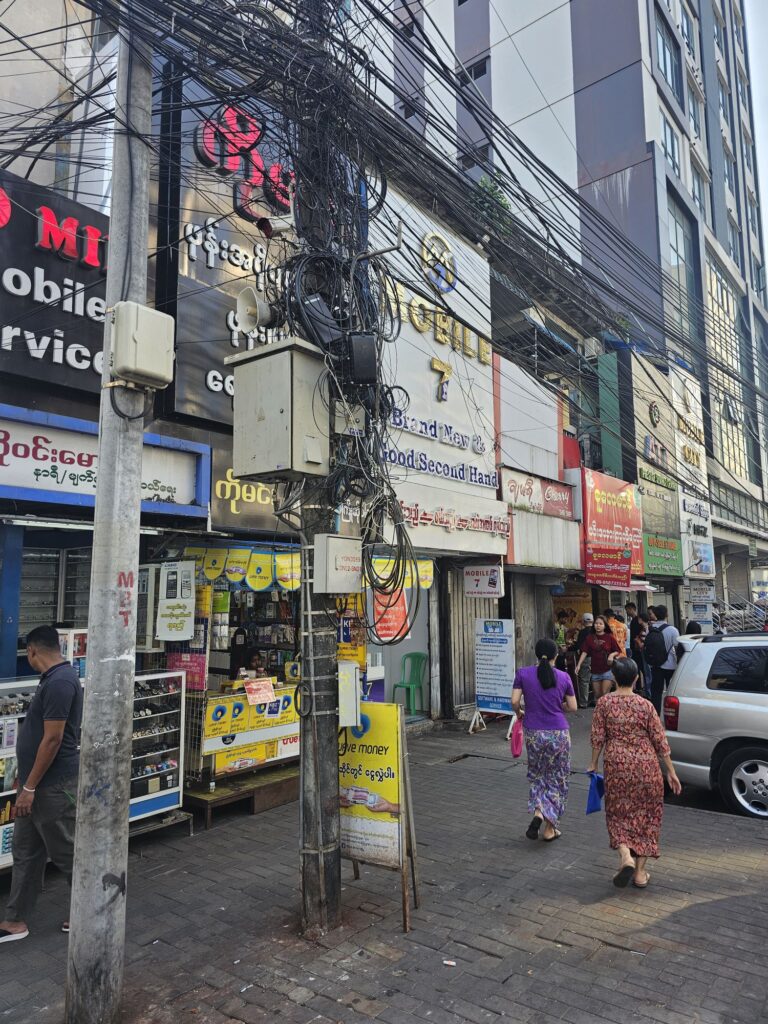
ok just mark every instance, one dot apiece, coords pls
pixel 146 610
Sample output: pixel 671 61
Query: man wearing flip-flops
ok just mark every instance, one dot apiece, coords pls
pixel 47 766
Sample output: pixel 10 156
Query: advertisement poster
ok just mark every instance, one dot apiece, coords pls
pixel 390 615
pixel 494 664
pixel 256 754
pixel 194 665
pixel 231 722
pixel 608 567
pixel 259 691
pixel 613 516
pixel 351 643
pixel 483 581
pixel 176 606
pixel 371 788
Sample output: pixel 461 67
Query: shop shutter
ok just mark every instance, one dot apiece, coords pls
pixel 459 640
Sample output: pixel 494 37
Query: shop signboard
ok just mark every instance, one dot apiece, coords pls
pixel 231 722
pixel 704 592
pixel 533 494
pixel 390 616
pixel 371 788
pixel 663 556
pixel 483 581
pixel 49 458
pixel 176 602
pixel 608 567
pixel 439 449
pixel 613 515
pixel 759 581
pixel 52 286
pixel 494 664
pixel 659 500
pixel 255 755
pixel 239 504
pixel 695 509
pixel 351 644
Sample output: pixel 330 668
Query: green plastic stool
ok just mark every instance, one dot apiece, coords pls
pixel 411 677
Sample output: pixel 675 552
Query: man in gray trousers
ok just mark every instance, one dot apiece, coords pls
pixel 47 765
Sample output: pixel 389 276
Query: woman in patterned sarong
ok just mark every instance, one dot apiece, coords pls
pixel 627 726
pixel 547 693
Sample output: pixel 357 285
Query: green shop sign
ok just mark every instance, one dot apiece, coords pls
pixel 663 555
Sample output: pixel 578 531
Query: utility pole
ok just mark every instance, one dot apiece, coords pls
pixel 97 939
pixel 319 745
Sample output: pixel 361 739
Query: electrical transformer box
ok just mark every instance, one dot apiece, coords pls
pixel 281 419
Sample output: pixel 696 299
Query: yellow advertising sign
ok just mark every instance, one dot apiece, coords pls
pixel 213 562
pixel 198 554
pixel 288 569
pixel 426 570
pixel 371 788
pixel 237 564
pixel 256 754
pixel 259 574
pixel 231 722
pixel 203 601
pixel 351 644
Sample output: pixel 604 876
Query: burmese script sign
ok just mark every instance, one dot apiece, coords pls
pixel 535 494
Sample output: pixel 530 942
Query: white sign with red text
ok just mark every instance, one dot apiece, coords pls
pixel 42 458
pixel 535 494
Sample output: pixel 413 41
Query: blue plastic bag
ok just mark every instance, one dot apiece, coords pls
pixel 596 792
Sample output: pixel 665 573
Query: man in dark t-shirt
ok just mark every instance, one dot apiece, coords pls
pixel 47 765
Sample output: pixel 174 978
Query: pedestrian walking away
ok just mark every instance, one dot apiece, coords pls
pixel 547 693
pixel 633 627
pixel 602 648
pixel 47 765
pixel 627 730
pixel 585 672
pixel 638 654
pixel 660 653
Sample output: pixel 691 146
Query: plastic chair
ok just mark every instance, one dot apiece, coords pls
pixel 411 677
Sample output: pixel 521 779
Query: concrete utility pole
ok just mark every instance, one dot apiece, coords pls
pixel 97 939
pixel 320 818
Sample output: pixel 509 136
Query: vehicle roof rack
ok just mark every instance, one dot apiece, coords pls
pixel 718 638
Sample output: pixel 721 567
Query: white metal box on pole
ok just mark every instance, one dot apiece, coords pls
pixel 280 429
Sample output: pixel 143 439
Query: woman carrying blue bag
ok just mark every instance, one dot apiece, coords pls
pixel 627 728
pixel 547 693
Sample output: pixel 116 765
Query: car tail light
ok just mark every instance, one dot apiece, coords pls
pixel 671 713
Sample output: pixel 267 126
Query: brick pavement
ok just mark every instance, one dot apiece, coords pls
pixel 536 933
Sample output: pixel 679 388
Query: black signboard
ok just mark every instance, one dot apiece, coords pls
pixel 239 504
pixel 52 279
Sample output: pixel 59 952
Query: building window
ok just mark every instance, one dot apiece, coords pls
pixel 758 280
pixel 723 100
pixel 694 111
pixel 668 57
pixel 729 169
pixel 746 144
pixel 670 144
pixel 743 91
pixel 473 71
pixel 475 157
pixel 697 190
pixel 752 205
pixel 738 27
pixel 734 242
pixel 728 348
pixel 719 32
pixel 687 30
pixel 460 3
pixel 682 266
pixel 407 29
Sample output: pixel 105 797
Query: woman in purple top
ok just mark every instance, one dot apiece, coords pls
pixel 547 693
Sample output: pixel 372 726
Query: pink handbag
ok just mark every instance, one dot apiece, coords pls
pixel 516 739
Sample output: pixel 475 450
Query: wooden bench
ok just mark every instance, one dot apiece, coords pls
pixel 264 788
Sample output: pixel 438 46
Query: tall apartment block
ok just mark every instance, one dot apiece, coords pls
pixel 645 107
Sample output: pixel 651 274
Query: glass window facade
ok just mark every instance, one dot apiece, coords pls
pixel 668 57
pixel 694 112
pixel 726 347
pixel 687 30
pixel 683 292
pixel 670 144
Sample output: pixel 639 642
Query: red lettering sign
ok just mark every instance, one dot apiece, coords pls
pixel 227 143
pixel 612 515
pixel 69 239
pixel 608 567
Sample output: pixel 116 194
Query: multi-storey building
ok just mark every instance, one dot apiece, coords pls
pixel 645 107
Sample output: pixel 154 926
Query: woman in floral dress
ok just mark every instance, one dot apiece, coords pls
pixel 627 726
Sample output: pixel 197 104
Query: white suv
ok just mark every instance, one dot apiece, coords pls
pixel 716 717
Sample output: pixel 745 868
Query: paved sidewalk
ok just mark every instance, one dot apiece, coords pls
pixel 509 930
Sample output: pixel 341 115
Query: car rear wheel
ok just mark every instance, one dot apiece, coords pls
pixel 743 781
